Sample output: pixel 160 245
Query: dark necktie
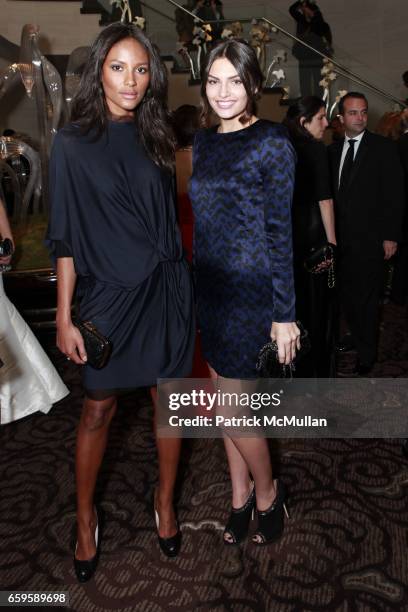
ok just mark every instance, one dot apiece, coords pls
pixel 347 167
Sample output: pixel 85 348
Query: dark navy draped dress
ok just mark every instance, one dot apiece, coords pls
pixel 241 190
pixel 112 209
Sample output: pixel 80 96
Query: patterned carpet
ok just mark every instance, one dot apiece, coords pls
pixel 343 549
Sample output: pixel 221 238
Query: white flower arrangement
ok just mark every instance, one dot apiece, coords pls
pixel 126 15
pixel 329 75
pixel 281 55
pixel 340 94
pixel 140 22
pixel 278 74
pixel 202 35
pixel 286 92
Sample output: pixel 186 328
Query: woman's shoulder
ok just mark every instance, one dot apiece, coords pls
pixel 204 133
pixel 271 132
pixel 310 148
pixel 317 145
pixel 68 135
pixel 316 149
pixel 272 128
pixel 202 140
pixel 72 138
pixel 68 131
pixel 271 136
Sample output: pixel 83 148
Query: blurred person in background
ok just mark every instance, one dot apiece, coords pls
pixel 399 289
pixel 185 122
pixel 312 29
pixel 28 380
pixel 313 229
pixel 367 182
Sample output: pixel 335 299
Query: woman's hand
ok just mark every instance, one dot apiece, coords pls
pixel 69 338
pixel 287 337
pixel 5 232
pixel 325 265
pixel 71 343
pixel 5 260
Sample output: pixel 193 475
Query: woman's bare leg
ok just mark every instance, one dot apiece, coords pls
pixel 92 435
pixel 247 456
pixel 239 472
pixel 255 453
pixel 168 452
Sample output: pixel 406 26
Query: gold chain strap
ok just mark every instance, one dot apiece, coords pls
pixel 331 277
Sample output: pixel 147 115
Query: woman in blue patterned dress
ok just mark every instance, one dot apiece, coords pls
pixel 241 190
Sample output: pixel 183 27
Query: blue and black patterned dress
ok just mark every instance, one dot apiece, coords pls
pixel 241 191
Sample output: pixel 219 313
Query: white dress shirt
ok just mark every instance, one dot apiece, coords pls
pixel 346 145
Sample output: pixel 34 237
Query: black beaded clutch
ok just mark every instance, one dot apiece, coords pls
pixel 98 348
pixel 322 260
pixel 6 247
pixel 268 365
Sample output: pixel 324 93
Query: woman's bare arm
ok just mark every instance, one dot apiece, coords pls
pixel 327 214
pixel 69 339
pixel 5 231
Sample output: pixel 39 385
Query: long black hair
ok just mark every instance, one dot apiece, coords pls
pixel 304 108
pixel 186 122
pixel 243 57
pixel 89 108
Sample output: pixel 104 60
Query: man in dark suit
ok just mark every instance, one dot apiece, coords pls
pixel 368 190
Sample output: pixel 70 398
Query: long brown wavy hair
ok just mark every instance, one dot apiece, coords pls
pixel 243 57
pixel 90 111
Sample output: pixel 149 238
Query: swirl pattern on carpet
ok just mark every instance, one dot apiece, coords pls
pixel 344 547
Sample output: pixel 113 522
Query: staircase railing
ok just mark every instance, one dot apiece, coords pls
pixel 156 10
pixel 340 68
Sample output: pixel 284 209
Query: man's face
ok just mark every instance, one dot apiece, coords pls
pixel 354 117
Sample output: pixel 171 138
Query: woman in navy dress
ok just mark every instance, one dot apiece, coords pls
pixel 241 191
pixel 113 231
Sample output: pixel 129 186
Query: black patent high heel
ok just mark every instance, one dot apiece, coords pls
pixel 169 546
pixel 85 569
pixel 239 520
pixel 270 521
